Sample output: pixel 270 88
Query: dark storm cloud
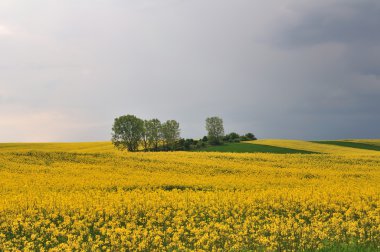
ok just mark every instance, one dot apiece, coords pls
pixel 343 99
pixel 347 22
pixel 353 24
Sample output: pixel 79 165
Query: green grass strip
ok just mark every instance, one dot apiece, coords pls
pixel 252 148
pixel 351 144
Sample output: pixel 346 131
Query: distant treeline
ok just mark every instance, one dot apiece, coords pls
pixel 131 133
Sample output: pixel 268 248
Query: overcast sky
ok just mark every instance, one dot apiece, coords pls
pixel 280 69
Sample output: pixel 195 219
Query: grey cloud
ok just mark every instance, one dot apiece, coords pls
pixel 364 59
pixel 344 91
pixel 87 62
pixel 353 24
pixel 347 22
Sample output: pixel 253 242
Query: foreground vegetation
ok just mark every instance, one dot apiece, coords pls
pixel 91 197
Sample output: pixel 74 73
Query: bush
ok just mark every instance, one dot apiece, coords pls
pixel 232 137
pixel 250 136
pixel 244 138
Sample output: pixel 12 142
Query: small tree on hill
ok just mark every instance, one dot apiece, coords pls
pixel 144 136
pixel 215 130
pixel 127 132
pixel 153 133
pixel 170 133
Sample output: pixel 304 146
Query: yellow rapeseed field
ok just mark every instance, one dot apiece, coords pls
pixel 89 197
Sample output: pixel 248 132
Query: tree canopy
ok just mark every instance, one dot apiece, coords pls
pixel 170 133
pixel 215 130
pixel 132 133
pixel 127 132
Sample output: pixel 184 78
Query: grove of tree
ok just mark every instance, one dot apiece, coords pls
pixel 133 134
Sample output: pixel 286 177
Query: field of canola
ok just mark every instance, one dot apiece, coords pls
pixel 62 197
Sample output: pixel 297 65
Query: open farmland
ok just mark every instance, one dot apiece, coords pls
pixel 88 196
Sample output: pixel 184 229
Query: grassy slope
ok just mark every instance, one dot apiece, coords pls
pixel 357 145
pixel 252 147
pixel 366 141
pixel 316 147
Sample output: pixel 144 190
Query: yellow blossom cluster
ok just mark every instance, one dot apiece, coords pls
pixel 183 201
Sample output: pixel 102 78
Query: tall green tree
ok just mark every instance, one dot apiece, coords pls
pixel 215 130
pixel 127 132
pixel 144 136
pixel 152 130
pixel 170 133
